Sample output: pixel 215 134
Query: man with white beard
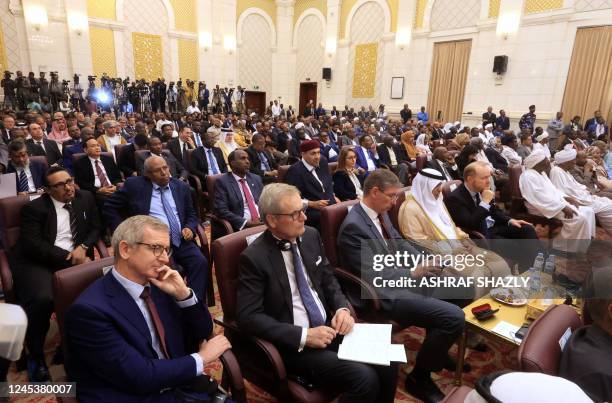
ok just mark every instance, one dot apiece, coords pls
pixel 565 161
pixel 543 198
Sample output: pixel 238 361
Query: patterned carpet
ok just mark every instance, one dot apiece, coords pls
pixel 499 356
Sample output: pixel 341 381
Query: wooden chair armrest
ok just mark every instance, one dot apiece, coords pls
pixel 231 369
pixel 101 248
pixel 194 181
pixel 210 290
pixel 7 277
pixel 227 227
pixel 274 357
pixel 366 289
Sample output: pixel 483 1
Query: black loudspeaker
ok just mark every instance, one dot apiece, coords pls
pixel 500 64
pixel 326 73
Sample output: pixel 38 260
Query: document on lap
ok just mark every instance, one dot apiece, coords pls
pixel 371 344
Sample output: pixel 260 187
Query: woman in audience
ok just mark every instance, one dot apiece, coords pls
pixel 423 218
pixel 460 141
pixel 467 155
pixel 594 154
pixel 348 178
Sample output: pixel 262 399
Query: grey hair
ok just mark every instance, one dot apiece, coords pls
pixel 476 141
pixel 271 197
pixel 382 179
pixel 149 161
pixel 131 231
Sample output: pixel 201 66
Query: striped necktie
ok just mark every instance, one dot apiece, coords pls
pixel 175 227
pixel 73 223
pixel 22 184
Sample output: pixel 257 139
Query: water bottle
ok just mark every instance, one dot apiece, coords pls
pixel 538 263
pixel 549 266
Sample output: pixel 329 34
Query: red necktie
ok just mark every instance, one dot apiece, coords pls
pixel 159 327
pixel 249 199
pixel 101 176
pixel 383 227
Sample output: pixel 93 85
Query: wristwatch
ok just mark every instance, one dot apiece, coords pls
pixel 188 297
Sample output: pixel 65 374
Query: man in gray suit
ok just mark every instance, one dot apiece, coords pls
pixel 177 170
pixel 367 226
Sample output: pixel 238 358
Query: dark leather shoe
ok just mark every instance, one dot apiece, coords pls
pixel 451 365
pixel 424 389
pixel 38 371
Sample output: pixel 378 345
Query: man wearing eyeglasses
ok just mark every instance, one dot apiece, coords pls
pixel 288 295
pixel 57 231
pixel 168 199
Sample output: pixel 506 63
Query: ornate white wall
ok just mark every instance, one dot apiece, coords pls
pixel 255 54
pixel 310 45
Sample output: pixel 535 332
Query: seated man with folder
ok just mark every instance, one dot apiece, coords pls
pixel 288 295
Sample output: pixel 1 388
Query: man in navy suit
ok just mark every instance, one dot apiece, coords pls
pixel 237 194
pixel 125 332
pixel 368 224
pixel 30 174
pixel 168 199
pixel 311 176
pixel 68 152
pixel 207 160
pixel 40 146
pixel 366 158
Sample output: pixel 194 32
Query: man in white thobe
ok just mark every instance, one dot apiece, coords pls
pixel 565 161
pixel 543 198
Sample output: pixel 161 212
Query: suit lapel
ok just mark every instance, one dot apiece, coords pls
pixel 51 219
pixel 123 303
pixel 146 196
pixel 276 261
pixel 236 188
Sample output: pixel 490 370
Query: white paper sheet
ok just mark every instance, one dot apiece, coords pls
pixel 508 330
pixel 397 353
pixel 367 352
pixel 371 343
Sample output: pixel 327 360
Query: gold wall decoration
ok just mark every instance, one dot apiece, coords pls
pixel 102 43
pixel 268 6
pixel 148 61
pixel 494 8
pixel 419 14
pixel 303 5
pixel 185 15
pixel 347 5
pixel 188 59
pixel 364 76
pixel 3 61
pixel 105 9
pixel 538 6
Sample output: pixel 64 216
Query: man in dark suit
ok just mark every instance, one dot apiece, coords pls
pixel 68 152
pixel 96 173
pixel 394 157
pixel 262 162
pixel 177 170
pixel 180 145
pixel 367 226
pixel 488 117
pixel 143 311
pixel 40 146
pixel 168 199
pixel 502 122
pixel 593 120
pixel 311 176
pixel 472 207
pixel 126 160
pixel 237 194
pixel 30 174
pixel 287 294
pixel 444 163
pixel 366 159
pixel 57 231
pixel 208 159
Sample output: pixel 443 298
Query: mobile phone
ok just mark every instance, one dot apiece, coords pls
pixel 520 334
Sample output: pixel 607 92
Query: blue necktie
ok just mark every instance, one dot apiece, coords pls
pixel 213 162
pixel 23 182
pixel 198 140
pixel 175 228
pixel 264 161
pixel 312 310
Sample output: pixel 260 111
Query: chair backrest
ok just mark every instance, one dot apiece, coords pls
pixel 68 284
pixel 210 188
pixel 119 148
pixel 40 158
pixel 332 166
pixel 189 157
pixel 78 156
pixel 331 219
pixel 282 170
pixel 540 350
pixel 10 219
pixel 514 174
pixel 449 186
pixel 394 212
pixel 225 254
pixel 421 161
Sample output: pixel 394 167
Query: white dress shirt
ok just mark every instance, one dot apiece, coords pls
pixel 41 144
pixel 356 183
pixel 246 214
pixel 63 237
pixel 135 290
pixel 392 156
pixel 97 182
pixel 370 162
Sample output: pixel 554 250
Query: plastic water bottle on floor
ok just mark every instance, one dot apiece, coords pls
pixel 549 266
pixel 538 263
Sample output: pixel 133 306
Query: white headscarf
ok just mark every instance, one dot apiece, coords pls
pixel 421 143
pixel 534 158
pixel 231 146
pixel 422 186
pixel 565 155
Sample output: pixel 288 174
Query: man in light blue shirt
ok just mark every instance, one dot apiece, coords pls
pixel 422 116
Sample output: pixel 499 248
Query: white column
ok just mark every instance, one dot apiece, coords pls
pixel 78 37
pixel 334 91
pixel 283 56
pixel 205 40
pixel 223 60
